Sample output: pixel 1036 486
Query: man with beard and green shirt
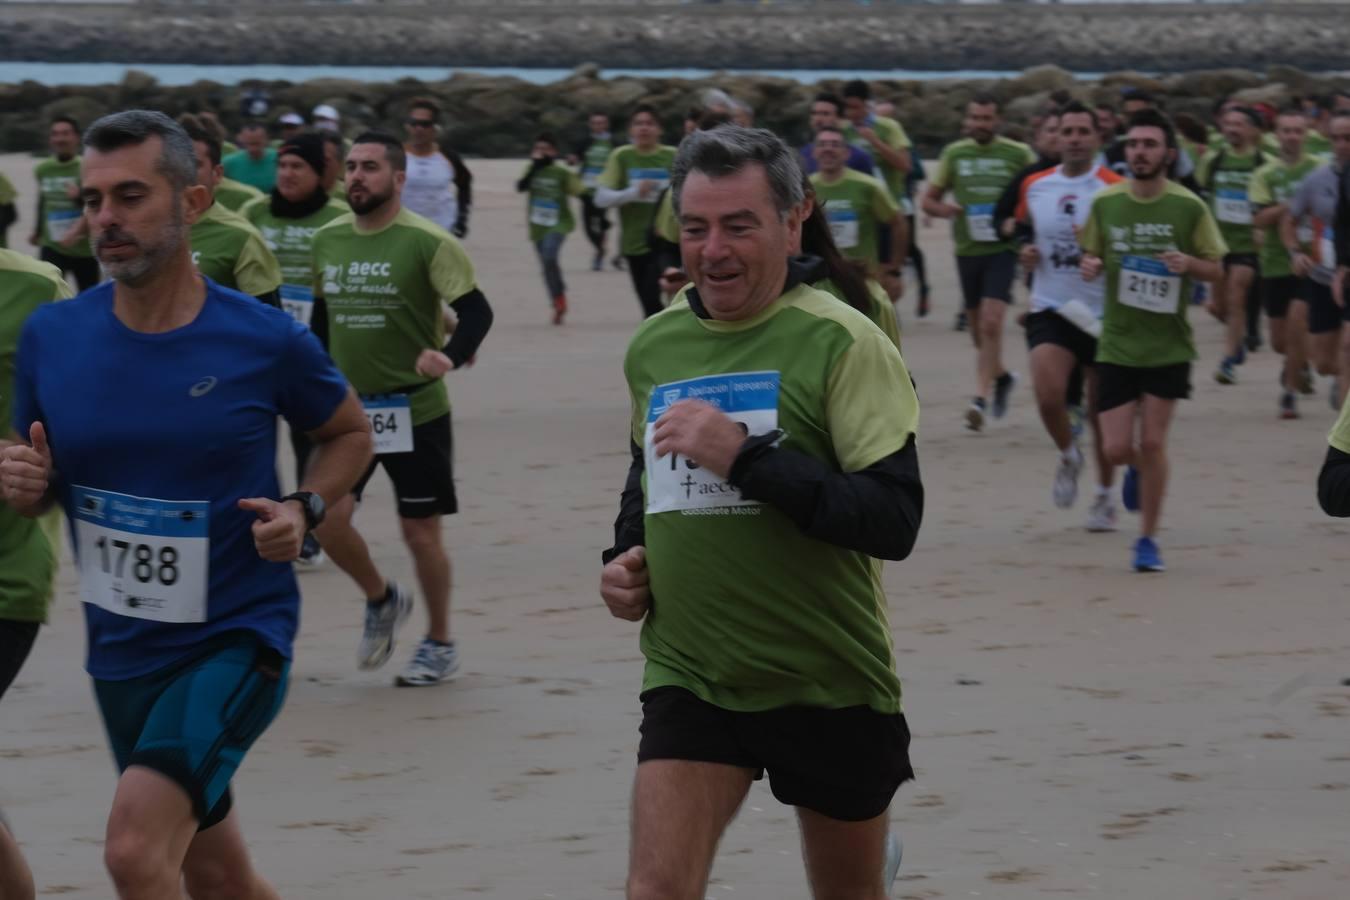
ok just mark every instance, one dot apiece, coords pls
pixel 977 169
pixel 59 228
pixel 549 213
pixel 1225 175
pixel 858 207
pixel 381 275
pixel 225 247
pixel 590 157
pixel 1271 187
pixel 1150 238
pixel 633 179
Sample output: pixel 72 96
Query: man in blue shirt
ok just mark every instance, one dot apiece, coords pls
pixel 826 111
pixel 148 409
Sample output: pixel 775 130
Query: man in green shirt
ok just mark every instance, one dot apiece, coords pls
pixel 256 163
pixel 225 247
pixel 1271 187
pixel 1225 175
pixel 634 177
pixel 548 211
pixel 1150 239
pixel 773 463
pixel 977 169
pixel 859 208
pixel 8 213
pixel 590 158
pixel 884 141
pixel 381 275
pixel 59 228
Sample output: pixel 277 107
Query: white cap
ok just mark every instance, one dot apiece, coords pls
pixel 324 111
pixel 292 119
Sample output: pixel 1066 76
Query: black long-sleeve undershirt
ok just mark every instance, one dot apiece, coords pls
pixel 1333 484
pixel 475 318
pixel 876 511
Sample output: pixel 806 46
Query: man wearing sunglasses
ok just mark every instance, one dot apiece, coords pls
pixel 439 185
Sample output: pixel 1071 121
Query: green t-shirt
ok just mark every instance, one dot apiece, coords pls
pixel 1225 176
pixel 977 175
pixel 1144 323
pixel 1272 184
pixel 666 225
pixel 625 167
pixel 27 555
pixel 1317 144
pixel 60 212
pixel 231 252
pixel 855 205
pixel 291 241
pixel 880 310
pixel 383 290
pixel 1340 432
pixel 749 612
pixel 233 194
pixel 892 134
pixel 593 161
pixel 261 173
pixel 546 207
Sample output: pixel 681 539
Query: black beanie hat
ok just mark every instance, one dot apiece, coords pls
pixel 308 147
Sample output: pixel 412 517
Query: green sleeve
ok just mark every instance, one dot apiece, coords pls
pixel 451 271
pixel 1258 189
pixel 870 405
pixel 1206 240
pixel 251 209
pixel 667 227
pixel 256 271
pixel 7 192
pixel 942 177
pixel 1340 432
pixel 614 177
pixel 1031 156
pixel 61 290
pixel 1090 238
pixel 883 207
pixel 575 187
pixel 1202 173
pixel 902 140
pixel 885 312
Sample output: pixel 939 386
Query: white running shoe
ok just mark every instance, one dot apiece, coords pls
pixel 1102 516
pixel 383 620
pixel 1066 477
pixel 433 663
pixel 894 852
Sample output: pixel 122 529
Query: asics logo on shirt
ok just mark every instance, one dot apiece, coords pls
pixel 202 387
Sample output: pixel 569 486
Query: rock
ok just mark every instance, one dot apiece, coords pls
pixel 1277 95
pixel 1041 79
pixel 135 85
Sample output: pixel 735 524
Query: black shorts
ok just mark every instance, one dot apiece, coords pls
pixel 1049 327
pixel 1241 259
pixel 1276 294
pixel 424 479
pixel 1118 385
pixel 842 763
pixel 1323 314
pixel 987 276
pixel 16 642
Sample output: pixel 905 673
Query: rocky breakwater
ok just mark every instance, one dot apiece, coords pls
pixel 498 116
pixel 838 34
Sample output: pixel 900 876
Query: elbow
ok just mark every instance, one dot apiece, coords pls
pixel 1327 497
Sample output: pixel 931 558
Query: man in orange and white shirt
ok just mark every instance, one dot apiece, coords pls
pixel 1066 311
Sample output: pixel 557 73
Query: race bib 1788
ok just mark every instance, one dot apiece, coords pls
pixel 144 558
pixel 677 483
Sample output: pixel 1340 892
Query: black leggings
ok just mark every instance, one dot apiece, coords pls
pixel 645 270
pixel 595 220
pixel 16 640
pixel 916 255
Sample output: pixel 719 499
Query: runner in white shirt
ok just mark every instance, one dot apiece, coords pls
pixel 437 185
pixel 1066 312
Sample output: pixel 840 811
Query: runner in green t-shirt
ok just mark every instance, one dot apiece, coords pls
pixel 59 229
pixel 977 169
pixel 858 207
pixel 9 214
pixel 773 464
pixel 1271 187
pixel 1149 238
pixel 381 277
pixel 590 158
pixel 548 211
pixel 27 557
pixel 633 179
pixel 1225 176
pixel 233 195
pixel 225 247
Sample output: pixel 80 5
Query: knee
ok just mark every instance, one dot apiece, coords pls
pixel 134 862
pixel 1152 447
pixel 1118 453
pixel 420 538
pixel 991 323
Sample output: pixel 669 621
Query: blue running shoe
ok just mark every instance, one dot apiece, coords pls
pixel 1146 556
pixel 1129 489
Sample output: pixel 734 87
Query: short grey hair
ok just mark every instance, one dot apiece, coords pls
pixel 727 149
pixel 177 160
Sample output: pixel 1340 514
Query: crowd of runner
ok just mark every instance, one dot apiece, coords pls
pixel 319 276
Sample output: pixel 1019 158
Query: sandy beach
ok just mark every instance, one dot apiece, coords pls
pixel 1079 730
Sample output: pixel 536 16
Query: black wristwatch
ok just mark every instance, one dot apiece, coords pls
pixel 313 506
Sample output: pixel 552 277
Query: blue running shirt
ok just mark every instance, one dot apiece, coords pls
pixel 155 438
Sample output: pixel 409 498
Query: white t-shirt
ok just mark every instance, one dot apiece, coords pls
pixel 430 189
pixel 1057 206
